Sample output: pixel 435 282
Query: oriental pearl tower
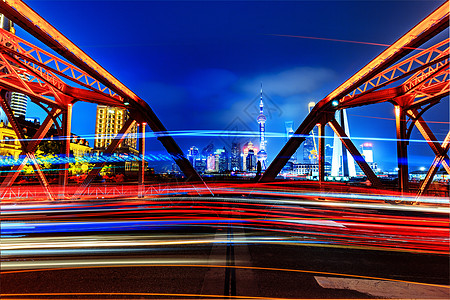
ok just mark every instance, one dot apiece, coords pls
pixel 261 119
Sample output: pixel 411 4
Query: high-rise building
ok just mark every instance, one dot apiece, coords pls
pixel 108 123
pixel 367 152
pixel 249 148
pixel 235 157
pixel 200 165
pixel 221 160
pixel 6 24
pixel 209 149
pixel 211 163
pixel 261 119
pixel 250 160
pixel 193 154
pixel 17 101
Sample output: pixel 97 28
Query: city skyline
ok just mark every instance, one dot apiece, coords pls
pixel 236 51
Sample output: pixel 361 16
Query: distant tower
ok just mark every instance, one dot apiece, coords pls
pixel 193 154
pixel 235 157
pixel 261 119
pixel 342 163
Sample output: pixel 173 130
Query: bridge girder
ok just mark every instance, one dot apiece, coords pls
pixel 425 76
pixel 49 74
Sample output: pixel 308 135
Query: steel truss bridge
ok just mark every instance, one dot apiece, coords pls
pixel 413 83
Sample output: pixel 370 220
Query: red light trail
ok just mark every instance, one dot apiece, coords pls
pixel 338 40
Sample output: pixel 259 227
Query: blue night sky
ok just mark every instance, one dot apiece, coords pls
pixel 200 64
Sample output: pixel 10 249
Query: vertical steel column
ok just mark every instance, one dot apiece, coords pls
pixel 65 149
pixel 345 171
pixel 142 162
pixel 321 136
pixel 434 166
pixel 402 153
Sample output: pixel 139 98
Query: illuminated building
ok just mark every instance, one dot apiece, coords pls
pixel 7 24
pixel 342 163
pixel 221 160
pixel 250 160
pixel 308 169
pixel 211 163
pixel 249 164
pixel 17 101
pixel 261 119
pixel 200 165
pixel 209 149
pixel 367 152
pixel 193 154
pixel 108 123
pixel 3 117
pixel 9 144
pixel 235 157
pixel 290 133
pixel 79 146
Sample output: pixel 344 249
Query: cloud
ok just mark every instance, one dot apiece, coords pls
pixel 291 82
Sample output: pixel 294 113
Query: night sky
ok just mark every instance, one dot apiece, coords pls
pixel 200 65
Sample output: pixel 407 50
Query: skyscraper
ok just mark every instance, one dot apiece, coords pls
pixel 17 101
pixel 108 123
pixel 249 164
pixel 193 154
pixel 221 160
pixel 261 119
pixel 367 152
pixel 235 157
pixel 250 160
pixel 211 163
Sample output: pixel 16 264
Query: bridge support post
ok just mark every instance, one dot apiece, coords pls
pixel 321 146
pixel 141 178
pixel 402 151
pixel 99 165
pixel 435 166
pixel 65 149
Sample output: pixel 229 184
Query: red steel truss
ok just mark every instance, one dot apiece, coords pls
pixel 47 85
pixel 422 81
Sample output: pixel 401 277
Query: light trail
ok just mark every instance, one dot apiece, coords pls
pixel 338 40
